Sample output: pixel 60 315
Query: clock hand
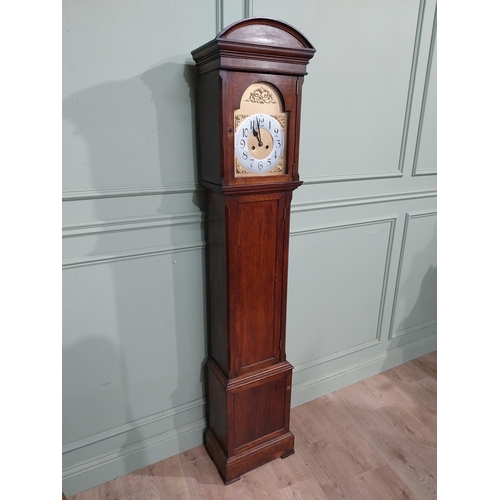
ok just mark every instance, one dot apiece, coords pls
pixel 258 127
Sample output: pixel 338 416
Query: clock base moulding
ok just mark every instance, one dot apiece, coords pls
pixel 249 419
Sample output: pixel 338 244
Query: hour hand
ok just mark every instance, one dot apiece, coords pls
pixel 258 135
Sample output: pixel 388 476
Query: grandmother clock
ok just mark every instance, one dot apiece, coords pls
pixel 249 97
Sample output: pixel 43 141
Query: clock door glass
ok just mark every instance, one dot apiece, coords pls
pixel 260 132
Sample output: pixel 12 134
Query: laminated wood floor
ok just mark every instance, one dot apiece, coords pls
pixel 373 440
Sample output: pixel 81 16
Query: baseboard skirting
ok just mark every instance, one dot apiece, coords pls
pixel 132 458
pixel 193 408
pixel 333 381
pixel 149 451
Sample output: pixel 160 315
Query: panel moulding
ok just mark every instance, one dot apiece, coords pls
pixel 415 328
pixel 152 252
pixel 96 194
pixel 247 8
pixel 337 355
pixel 392 333
pixel 221 12
pixel 131 224
pixel 346 225
pixel 378 329
pixel 362 200
pixel 411 87
pixel 219 16
pixel 398 171
pixel 415 172
pixel 323 179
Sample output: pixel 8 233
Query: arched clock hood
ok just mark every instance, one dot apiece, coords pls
pixel 278 45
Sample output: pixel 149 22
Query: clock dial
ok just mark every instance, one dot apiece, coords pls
pixel 259 143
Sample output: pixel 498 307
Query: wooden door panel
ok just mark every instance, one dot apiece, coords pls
pixel 259 412
pixel 257 246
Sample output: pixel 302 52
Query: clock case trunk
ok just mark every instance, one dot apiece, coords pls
pixel 248 226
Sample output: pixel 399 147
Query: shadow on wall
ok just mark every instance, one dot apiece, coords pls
pixel 417 300
pixel 129 140
pixel 426 304
pixel 138 132
pixel 95 397
pixel 423 310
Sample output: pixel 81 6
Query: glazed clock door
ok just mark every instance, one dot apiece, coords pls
pixel 261 117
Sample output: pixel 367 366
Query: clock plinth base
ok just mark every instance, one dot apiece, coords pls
pixel 231 469
pixel 249 418
pixel 286 455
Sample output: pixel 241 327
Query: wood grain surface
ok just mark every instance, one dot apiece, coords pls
pixel 373 440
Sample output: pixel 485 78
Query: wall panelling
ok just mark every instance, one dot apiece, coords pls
pixel 362 267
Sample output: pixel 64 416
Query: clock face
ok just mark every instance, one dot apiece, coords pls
pixel 259 143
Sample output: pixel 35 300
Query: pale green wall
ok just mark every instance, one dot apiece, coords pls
pixel 362 282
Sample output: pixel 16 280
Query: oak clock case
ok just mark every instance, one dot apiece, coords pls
pixel 248 117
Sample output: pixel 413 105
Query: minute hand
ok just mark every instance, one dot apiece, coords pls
pixel 258 128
